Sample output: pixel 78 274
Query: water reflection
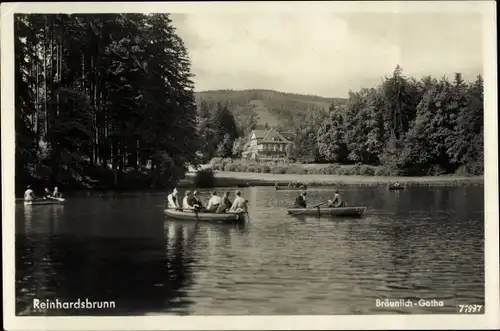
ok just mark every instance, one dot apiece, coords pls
pixel 414 243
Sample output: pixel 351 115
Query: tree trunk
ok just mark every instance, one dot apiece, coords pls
pixel 45 87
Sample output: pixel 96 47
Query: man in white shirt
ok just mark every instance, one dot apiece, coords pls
pixel 239 204
pixel 188 201
pixel 28 194
pixel 172 200
pixel 214 202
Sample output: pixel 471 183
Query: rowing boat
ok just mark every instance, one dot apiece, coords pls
pixel 205 217
pixel 395 188
pixel 341 211
pixel 52 201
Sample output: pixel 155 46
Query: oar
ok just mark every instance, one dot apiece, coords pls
pixel 196 213
pixel 311 208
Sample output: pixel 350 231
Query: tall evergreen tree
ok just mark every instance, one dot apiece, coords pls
pixel 99 90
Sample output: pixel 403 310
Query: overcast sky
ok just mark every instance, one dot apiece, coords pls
pixel 326 54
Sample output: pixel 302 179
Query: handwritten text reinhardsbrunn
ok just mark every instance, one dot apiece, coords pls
pixel 78 304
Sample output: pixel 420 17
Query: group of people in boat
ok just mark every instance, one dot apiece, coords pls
pixel 336 202
pixel 216 203
pixel 29 195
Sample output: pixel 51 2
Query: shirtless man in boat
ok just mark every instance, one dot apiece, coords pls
pixel 172 200
pixel 337 201
pixel 56 193
pixel 239 204
pixel 29 195
pixel 300 201
pixel 214 202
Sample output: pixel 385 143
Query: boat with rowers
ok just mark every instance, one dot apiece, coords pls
pixel 205 217
pixel 328 211
pixel 395 188
pixel 48 198
pixel 291 187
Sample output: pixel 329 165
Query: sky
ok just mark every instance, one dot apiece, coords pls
pixel 326 54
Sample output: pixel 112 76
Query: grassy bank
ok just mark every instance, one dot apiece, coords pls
pixel 233 179
pixel 282 168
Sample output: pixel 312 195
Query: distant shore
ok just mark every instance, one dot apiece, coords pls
pixel 229 179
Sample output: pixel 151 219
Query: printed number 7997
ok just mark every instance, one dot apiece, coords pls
pixel 470 309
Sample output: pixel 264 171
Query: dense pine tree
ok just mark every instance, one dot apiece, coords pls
pixel 108 91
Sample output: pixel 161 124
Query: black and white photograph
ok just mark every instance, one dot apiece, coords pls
pixel 250 165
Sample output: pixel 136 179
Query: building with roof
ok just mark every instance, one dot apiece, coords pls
pixel 266 144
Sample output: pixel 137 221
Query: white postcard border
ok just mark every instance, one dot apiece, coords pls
pixel 491 317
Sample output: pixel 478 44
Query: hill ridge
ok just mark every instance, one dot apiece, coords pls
pixel 271 91
pixel 260 108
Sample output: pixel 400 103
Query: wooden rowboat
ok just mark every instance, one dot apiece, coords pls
pixel 205 217
pixel 53 201
pixel 395 188
pixel 341 211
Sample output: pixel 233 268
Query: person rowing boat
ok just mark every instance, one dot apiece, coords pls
pixel 300 201
pixel 337 201
pixel 197 201
pixel 226 203
pixel 29 195
pixel 172 200
pixel 47 194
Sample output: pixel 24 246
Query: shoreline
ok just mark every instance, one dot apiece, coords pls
pixel 227 178
pixel 240 179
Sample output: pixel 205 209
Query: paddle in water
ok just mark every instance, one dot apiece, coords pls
pixel 196 213
pixel 310 208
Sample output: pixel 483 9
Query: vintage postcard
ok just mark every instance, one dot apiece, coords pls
pixel 250 165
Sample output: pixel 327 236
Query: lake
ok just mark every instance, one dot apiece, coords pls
pixel 419 243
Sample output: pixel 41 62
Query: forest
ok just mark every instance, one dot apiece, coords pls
pixel 102 100
pixel 418 127
pixel 107 101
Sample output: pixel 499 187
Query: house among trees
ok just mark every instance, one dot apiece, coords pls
pixel 266 144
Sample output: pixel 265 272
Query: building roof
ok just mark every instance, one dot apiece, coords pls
pixel 273 136
pixel 259 134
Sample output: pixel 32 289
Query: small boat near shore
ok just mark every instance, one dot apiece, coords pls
pixel 205 217
pixel 341 211
pixel 395 188
pixel 53 201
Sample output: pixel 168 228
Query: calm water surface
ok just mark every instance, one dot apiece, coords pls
pixel 413 244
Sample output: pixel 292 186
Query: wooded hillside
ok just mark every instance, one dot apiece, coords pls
pixel 261 108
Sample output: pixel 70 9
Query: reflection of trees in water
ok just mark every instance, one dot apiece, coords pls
pixel 217 236
pixel 27 271
pixel 140 274
pixel 34 265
